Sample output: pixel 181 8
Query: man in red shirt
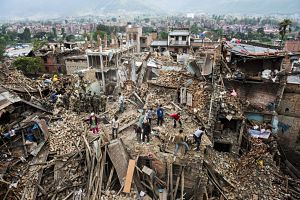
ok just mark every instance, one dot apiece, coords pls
pixel 176 117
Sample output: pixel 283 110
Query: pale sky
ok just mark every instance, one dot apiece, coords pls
pixel 26 8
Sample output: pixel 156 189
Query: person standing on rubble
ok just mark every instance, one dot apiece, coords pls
pixel 179 140
pixel 115 126
pixel 94 123
pixel 160 115
pixel 95 103
pixel 176 117
pixel 121 103
pixel 146 131
pixel 197 137
pixel 149 115
pixel 138 132
pixel 89 102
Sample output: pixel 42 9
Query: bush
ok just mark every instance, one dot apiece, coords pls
pixel 28 65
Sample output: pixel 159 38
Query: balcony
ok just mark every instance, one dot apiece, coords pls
pixel 179 43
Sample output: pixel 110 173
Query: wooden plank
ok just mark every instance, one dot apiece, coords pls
pixel 129 176
pixel 189 101
pixel 182 184
pixel 177 182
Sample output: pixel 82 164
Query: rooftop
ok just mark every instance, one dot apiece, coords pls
pixel 179 33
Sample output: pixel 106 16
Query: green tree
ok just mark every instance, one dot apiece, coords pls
pixel 63 33
pixel 28 64
pixel 2 48
pixel 261 31
pixel 26 35
pixel 70 38
pixel 40 35
pixel 284 27
pixel 163 35
pixel 37 44
pixel 54 32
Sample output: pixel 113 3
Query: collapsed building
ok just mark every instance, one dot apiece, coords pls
pixel 233 91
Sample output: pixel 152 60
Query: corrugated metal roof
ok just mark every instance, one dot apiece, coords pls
pixel 294 79
pixel 7 98
pixel 251 51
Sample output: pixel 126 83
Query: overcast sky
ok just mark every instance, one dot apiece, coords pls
pixel 27 8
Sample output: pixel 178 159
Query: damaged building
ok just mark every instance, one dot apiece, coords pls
pixel 232 91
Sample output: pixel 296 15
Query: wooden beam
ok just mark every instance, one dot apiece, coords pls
pixel 129 176
pixel 177 182
pixel 171 181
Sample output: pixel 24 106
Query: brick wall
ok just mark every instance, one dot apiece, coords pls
pixel 259 94
pixel 291 134
pixel 290 105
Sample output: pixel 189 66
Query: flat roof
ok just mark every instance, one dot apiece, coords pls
pixel 179 33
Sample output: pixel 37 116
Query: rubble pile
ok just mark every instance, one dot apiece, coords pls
pixel 230 105
pixel 171 79
pixel 15 79
pixel 250 176
pixel 66 134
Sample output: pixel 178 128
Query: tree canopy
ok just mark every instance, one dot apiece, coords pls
pixel 28 64
pixel 284 27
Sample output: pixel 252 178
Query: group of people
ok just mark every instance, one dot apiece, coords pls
pixel 89 103
pixel 179 140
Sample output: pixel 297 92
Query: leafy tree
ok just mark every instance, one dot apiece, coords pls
pixel 26 35
pixel 163 35
pixel 2 48
pixel 284 26
pixel 114 19
pixel 54 32
pixel 194 29
pixel 37 44
pixel 63 33
pixel 261 31
pixel 70 38
pixel 28 64
pixel 40 35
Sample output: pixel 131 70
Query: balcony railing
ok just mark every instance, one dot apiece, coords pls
pixel 172 42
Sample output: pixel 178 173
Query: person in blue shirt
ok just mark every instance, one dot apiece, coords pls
pixel 160 115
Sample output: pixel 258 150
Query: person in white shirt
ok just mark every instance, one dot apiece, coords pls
pixel 197 136
pixel 149 115
pixel 115 126
pixel 121 103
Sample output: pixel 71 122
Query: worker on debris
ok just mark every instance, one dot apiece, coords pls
pixel 179 140
pixel 149 115
pixel 115 126
pixel 197 137
pixel 77 104
pixel 82 103
pixel 138 132
pixel 146 131
pixel 121 103
pixel 94 123
pixel 176 117
pixel 103 100
pixel 160 115
pixel 95 103
pixel 88 102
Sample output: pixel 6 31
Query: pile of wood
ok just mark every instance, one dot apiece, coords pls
pixel 200 103
pixel 66 134
pixel 252 176
pixel 15 79
pixel 231 105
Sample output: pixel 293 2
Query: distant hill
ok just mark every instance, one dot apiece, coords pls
pixel 21 8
